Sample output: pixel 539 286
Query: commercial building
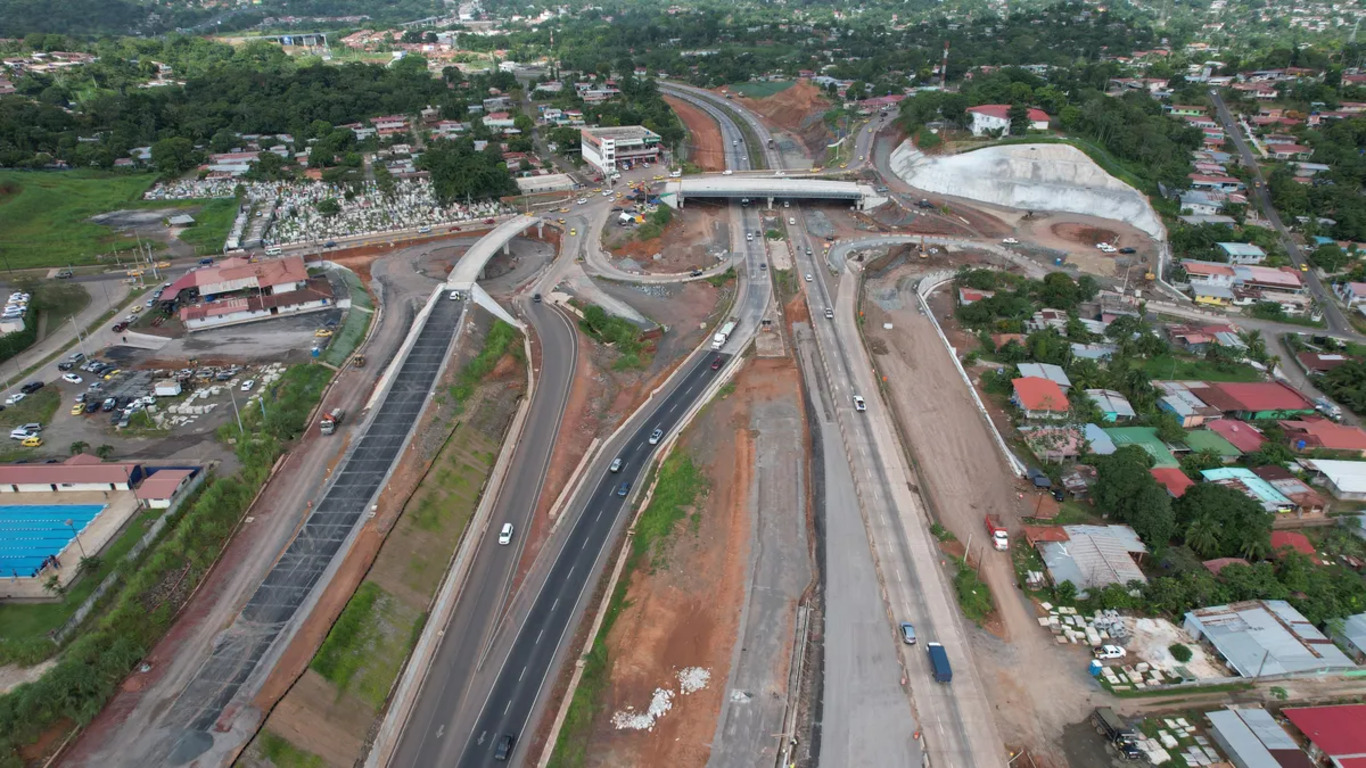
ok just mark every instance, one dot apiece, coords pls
pixel 81 472
pixel 1253 739
pixel 238 291
pixel 550 182
pixel 1254 400
pixel 1260 638
pixel 607 149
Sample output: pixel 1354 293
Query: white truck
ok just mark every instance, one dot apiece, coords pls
pixel 329 422
pixel 723 335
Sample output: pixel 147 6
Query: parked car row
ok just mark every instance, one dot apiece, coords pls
pixel 16 306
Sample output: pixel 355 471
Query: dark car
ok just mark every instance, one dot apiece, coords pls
pixel 716 364
pixel 695 273
pixel 31 387
pixel 65 365
pixel 504 749
pixel 1058 495
pixel 1128 250
pixel 120 327
pixel 536 297
pixel 624 488
pixel 330 244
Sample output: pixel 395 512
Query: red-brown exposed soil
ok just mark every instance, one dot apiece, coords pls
pixel 1080 233
pixel 797 109
pixel 706 149
pixel 684 243
pixel 683 610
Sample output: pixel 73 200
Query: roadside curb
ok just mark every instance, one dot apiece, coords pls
pixel 573 480
pixel 418 663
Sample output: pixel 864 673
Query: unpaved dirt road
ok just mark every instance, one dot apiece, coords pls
pixel 1037 688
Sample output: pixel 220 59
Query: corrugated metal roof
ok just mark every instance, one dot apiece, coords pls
pixel 1266 637
pixel 1255 740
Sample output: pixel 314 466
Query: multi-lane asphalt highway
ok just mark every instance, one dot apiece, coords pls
pixel 469 632
pixel 525 669
pixel 489 678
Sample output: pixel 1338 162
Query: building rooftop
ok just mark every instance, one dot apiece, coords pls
pixel 1337 731
pixel 77 470
pixel 1053 373
pixel 1246 250
pixel 1244 480
pixel 1266 638
pixel 1094 556
pixel 1001 111
pixel 163 483
pixel 1174 480
pixel 1145 438
pixel 1110 401
pixel 1099 442
pixel 1347 476
pixel 1306 434
pixel 1036 394
pixel 1205 440
pixel 1239 434
pixel 1253 397
pixel 1220 563
pixel 622 133
pixel 1254 739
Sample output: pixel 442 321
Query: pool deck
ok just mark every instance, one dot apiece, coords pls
pixel 120 506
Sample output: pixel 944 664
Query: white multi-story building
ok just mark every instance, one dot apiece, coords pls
pixel 607 148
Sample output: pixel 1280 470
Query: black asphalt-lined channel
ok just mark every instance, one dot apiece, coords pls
pixel 275 603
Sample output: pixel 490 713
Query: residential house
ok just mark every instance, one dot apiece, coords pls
pixel 1289 151
pixel 1307 501
pixel 1318 362
pixel 1294 541
pixel 1173 479
pixel 1047 318
pixel 1093 556
pixel 1053 444
pixel 1053 373
pixel 1097 441
pixel 1220 563
pixel 1209 441
pixel 1351 637
pixel 1242 253
pixel 1352 294
pixel 1200 203
pixel 968 296
pixel 1251 736
pixel 1181 400
pixel 1113 405
pixel 995 117
pixel 1243 480
pixel 1241 435
pixel 1039 398
pixel 1335 734
pixel 1322 434
pixel 1253 401
pixel 1147 439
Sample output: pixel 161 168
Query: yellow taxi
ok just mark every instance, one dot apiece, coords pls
pixel 573 231
pixel 564 210
pixel 323 333
pixel 657 177
pixel 78 409
pixel 1304 267
pixel 136 309
pixel 33 441
pixel 844 165
pixel 112 374
pixel 163 264
pixel 560 220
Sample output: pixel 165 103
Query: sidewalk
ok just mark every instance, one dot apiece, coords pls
pixel 104 294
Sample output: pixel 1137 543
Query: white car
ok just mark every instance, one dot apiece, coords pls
pixel 809 278
pixel 607 193
pixel 505 535
pixel 859 404
pixel 248 385
pixel 727 172
pixel 582 200
pixel 15 398
pixel 1110 652
pixel 1011 241
pixel 72 378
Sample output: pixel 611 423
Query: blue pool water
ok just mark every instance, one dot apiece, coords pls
pixel 29 534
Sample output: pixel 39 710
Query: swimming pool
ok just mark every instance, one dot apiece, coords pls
pixel 31 533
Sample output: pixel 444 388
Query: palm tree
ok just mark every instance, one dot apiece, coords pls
pixel 79 446
pixel 1203 536
pixel 104 451
pixel 1254 544
pixel 1256 345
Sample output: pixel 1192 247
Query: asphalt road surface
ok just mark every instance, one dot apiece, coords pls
pixel 1260 192
pixel 526 668
pixel 466 637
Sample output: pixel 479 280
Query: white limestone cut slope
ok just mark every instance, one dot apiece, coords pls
pixel 1037 177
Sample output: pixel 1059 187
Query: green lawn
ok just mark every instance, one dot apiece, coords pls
pixel 759 90
pixel 358 318
pixel 44 217
pixel 1181 368
pixel 211 226
pixel 38 407
pixel 60 301
pixel 283 754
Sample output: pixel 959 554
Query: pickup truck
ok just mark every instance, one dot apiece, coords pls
pixel 939 661
pixel 1000 537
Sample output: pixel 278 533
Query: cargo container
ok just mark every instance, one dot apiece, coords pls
pixel 939 661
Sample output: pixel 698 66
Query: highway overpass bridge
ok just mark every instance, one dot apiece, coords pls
pixel 470 269
pixel 769 188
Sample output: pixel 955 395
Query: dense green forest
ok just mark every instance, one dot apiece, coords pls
pixel 95 18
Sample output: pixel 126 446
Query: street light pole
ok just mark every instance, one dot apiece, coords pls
pixel 72 525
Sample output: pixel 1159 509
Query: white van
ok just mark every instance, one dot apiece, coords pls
pixel 274 250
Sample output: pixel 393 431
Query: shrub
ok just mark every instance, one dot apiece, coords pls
pixel 1180 652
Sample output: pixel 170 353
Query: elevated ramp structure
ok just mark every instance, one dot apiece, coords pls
pixel 769 188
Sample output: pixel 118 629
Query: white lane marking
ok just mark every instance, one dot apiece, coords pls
pixel 571 572
pixel 538 637
pixel 598 517
pixel 519 677
pixel 509 706
pixel 555 605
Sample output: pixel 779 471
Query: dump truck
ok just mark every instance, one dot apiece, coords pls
pixel 330 420
pixel 1000 537
pixel 939 661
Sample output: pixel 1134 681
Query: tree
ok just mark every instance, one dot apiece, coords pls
pixel 1244 528
pixel 1018 114
pixel 328 206
pixel 1329 258
pixel 104 451
pixel 1203 536
pixel 173 156
pixel 1126 490
pixel 79 446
